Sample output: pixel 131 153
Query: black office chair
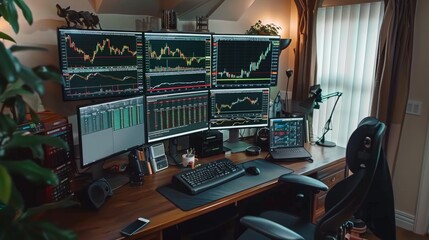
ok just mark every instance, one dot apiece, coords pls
pixel 346 199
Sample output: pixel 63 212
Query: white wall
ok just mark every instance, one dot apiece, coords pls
pixel 283 13
pixel 43 33
pixel 406 178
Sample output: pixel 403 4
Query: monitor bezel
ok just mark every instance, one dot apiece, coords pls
pixel 79 131
pixel 66 96
pixel 179 35
pixel 240 126
pixel 157 139
pixel 301 119
pixel 272 82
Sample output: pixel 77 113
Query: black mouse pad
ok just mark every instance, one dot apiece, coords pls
pixel 184 201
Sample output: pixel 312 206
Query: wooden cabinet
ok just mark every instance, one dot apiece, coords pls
pixel 330 176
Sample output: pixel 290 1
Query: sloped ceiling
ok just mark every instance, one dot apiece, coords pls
pixel 186 9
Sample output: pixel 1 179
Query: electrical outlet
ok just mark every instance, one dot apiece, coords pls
pixel 414 107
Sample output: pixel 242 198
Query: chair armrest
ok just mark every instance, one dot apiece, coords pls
pixel 269 228
pixel 303 180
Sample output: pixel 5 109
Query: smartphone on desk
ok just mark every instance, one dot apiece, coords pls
pixel 134 226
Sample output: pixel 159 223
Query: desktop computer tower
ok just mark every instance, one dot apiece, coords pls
pixel 207 143
pixel 59 160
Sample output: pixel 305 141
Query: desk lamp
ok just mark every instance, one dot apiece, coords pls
pixel 328 124
pixel 284 43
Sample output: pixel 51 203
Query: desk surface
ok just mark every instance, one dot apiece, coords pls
pixel 128 202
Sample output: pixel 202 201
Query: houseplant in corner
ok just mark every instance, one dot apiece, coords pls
pixel 263 29
pixel 17 80
pixel 268 29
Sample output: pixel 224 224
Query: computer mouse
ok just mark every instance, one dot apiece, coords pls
pixel 253 170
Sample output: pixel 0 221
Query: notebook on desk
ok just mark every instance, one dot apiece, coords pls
pixel 287 137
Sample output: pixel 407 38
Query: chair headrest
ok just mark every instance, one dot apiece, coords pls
pixel 364 144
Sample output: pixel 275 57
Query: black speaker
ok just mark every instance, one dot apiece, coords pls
pixel 95 194
pixel 262 138
pixel 137 172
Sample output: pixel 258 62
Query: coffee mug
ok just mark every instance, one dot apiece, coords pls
pixel 188 159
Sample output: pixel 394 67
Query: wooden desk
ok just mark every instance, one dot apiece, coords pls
pixel 128 203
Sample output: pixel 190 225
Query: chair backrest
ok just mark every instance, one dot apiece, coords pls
pixel 345 198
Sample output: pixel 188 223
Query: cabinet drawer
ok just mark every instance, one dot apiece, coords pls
pixel 330 176
pixel 330 181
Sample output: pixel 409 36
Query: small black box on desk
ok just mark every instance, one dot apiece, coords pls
pixel 207 143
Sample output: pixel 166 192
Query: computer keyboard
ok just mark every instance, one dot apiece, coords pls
pixel 289 150
pixel 207 176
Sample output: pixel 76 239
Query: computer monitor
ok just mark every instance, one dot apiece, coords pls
pixel 245 61
pixel 238 108
pixel 110 128
pixel 177 62
pixel 99 63
pixel 178 114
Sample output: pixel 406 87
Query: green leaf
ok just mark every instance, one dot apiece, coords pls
pixel 18 48
pixel 5 185
pixel 25 11
pixel 7 215
pixel 34 116
pixel 31 79
pixel 46 230
pixel 7 125
pixel 8 11
pixel 21 109
pixel 16 201
pixel 49 206
pixel 13 89
pixel 31 171
pixel 6 37
pixel 48 73
pixel 18 140
pixel 23 141
pixel 8 64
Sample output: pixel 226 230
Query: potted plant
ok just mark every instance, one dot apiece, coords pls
pixel 16 80
pixel 263 29
pixel 268 29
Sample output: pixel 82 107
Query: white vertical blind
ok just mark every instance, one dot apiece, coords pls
pixel 347 39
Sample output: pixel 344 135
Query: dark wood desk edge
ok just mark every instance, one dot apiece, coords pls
pixel 127 202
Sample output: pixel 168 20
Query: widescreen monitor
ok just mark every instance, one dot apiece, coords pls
pixel 241 61
pixel 239 108
pixel 176 114
pixel 110 128
pixel 100 63
pixel 234 109
pixel 177 62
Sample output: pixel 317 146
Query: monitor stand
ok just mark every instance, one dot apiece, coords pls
pixel 115 180
pixel 233 143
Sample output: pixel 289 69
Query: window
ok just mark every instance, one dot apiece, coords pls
pixel 347 40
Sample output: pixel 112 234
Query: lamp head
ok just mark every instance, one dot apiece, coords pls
pixel 289 73
pixel 316 105
pixel 284 43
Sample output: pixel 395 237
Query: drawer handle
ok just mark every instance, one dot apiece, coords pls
pixel 333 179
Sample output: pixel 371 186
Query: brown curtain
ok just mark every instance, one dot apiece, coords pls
pixel 305 53
pixel 393 70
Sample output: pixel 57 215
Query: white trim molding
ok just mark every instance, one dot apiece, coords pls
pixel 404 220
pixel 422 208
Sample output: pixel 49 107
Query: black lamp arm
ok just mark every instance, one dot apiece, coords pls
pixel 328 122
pixel 334 94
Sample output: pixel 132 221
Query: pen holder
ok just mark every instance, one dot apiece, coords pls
pixel 188 159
